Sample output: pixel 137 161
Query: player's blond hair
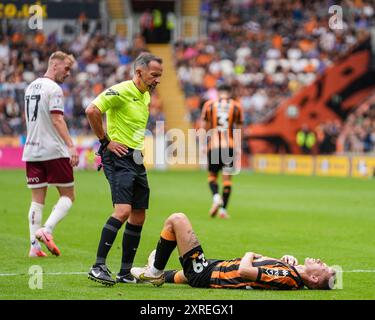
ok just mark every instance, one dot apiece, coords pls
pixel 327 282
pixel 60 55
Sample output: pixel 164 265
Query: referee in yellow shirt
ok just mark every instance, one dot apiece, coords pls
pixel 126 108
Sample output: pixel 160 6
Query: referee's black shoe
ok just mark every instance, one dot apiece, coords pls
pixel 101 274
pixel 127 278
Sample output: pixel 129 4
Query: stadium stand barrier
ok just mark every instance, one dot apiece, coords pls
pixel 359 166
pixel 352 165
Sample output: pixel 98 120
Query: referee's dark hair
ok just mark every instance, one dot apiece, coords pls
pixel 145 58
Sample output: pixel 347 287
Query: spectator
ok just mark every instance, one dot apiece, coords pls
pixel 305 139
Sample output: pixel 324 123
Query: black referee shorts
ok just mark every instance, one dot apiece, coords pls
pixel 127 179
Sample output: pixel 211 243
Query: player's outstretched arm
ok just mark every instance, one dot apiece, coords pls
pixel 246 269
pixel 62 129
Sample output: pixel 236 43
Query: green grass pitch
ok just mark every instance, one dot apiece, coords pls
pixel 328 218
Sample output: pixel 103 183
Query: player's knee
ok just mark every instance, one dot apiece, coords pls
pixel 67 192
pixel 177 217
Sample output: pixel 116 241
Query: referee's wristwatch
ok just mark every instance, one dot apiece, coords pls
pixel 103 144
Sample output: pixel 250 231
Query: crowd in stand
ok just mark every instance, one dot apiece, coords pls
pixel 355 135
pixel 102 61
pixel 267 50
pixel 358 133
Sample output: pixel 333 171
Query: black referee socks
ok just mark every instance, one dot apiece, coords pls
pixel 109 234
pixel 130 242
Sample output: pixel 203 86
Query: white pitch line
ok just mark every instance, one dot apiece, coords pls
pixel 81 273
pixel 359 271
pixel 44 273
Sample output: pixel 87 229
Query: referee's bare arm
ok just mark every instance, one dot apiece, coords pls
pixel 94 117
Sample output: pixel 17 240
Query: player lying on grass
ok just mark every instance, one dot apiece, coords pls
pixel 252 271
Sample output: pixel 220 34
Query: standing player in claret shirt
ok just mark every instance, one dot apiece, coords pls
pixel 221 117
pixel 49 151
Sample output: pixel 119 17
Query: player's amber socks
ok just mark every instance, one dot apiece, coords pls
pixel 108 236
pixel 169 275
pixel 130 242
pixel 226 192
pixel 212 182
pixel 164 249
pixel 174 276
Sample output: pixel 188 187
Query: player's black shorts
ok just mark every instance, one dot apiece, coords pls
pixel 127 178
pixel 220 159
pixel 196 268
